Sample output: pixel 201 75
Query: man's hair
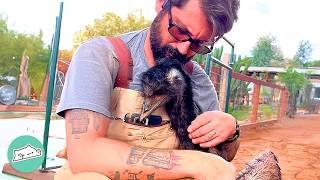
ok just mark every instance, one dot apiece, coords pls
pixel 221 13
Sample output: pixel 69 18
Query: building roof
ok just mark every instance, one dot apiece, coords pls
pixel 309 70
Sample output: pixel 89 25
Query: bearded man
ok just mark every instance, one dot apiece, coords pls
pixel 181 29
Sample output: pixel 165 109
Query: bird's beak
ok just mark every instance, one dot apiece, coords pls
pixel 150 104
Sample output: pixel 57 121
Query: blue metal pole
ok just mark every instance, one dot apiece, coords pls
pixel 53 65
pixel 208 64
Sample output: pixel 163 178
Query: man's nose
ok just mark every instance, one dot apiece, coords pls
pixel 184 47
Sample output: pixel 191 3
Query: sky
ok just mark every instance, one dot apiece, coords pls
pixel 289 21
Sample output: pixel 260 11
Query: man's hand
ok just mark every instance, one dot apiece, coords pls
pixel 212 128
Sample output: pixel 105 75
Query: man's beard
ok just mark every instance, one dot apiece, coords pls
pixel 166 51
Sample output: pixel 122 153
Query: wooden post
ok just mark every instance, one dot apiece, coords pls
pixel 215 77
pixel 223 82
pixel 44 91
pixel 255 103
pixel 283 104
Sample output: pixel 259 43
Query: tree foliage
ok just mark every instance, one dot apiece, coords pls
pixel 65 55
pixel 266 51
pixel 313 63
pixel 242 64
pixel 13 45
pixel 239 89
pixel 304 52
pixel 216 53
pixel 294 81
pixel 109 25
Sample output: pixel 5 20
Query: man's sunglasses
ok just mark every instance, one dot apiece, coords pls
pixel 180 34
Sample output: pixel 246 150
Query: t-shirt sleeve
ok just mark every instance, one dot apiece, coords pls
pixel 90 78
pixel 204 93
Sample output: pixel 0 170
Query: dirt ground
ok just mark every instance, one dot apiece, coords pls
pixel 296 142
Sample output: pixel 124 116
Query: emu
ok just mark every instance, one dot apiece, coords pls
pixel 170 80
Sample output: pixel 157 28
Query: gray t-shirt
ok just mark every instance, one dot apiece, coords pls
pixel 93 70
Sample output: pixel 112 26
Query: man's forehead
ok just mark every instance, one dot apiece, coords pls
pixel 196 20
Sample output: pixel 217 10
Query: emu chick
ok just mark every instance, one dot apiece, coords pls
pixel 168 78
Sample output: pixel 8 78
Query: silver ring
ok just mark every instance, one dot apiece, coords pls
pixel 211 135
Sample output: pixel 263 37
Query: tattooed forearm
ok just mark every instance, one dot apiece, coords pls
pixel 136 154
pixel 133 176
pixel 164 159
pixel 117 175
pixel 150 176
pixel 160 159
pixel 79 121
pixel 96 117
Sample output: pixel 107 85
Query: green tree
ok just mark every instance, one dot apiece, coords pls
pixel 8 56
pixel 294 81
pixel 216 53
pixel 14 45
pixel 239 89
pixel 109 25
pixel 266 51
pixel 65 55
pixel 303 53
pixel 315 63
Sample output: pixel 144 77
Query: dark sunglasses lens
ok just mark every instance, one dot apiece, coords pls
pixel 200 49
pixel 178 34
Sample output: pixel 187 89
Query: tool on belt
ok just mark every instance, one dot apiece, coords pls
pixel 145 118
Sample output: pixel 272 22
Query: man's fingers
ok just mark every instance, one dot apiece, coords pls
pixel 198 122
pixel 212 143
pixel 203 130
pixel 206 138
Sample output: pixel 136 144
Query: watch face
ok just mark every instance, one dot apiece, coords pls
pixel 7 95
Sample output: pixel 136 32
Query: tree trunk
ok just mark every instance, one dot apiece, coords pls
pixel 292 108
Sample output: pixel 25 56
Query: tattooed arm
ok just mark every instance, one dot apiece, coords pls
pixel 90 150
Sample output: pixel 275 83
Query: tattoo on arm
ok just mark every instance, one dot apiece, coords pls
pixel 158 158
pixel 117 175
pixel 96 117
pixel 133 176
pixel 136 154
pixel 79 121
pixel 150 176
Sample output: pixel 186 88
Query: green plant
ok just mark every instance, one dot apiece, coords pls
pixel 266 110
pixel 242 113
pixel 294 81
pixel 239 89
pixel 111 24
pixel 265 51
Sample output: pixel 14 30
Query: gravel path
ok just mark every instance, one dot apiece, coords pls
pixel 296 142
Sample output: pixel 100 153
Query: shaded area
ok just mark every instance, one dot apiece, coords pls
pixel 295 142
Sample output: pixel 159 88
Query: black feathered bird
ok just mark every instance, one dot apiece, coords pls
pixel 169 79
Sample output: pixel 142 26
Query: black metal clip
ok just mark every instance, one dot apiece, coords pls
pixel 151 120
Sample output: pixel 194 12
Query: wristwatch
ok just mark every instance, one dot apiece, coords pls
pixel 236 134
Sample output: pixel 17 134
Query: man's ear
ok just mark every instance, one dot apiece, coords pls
pixel 159 4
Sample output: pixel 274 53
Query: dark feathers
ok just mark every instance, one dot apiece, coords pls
pixel 168 78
